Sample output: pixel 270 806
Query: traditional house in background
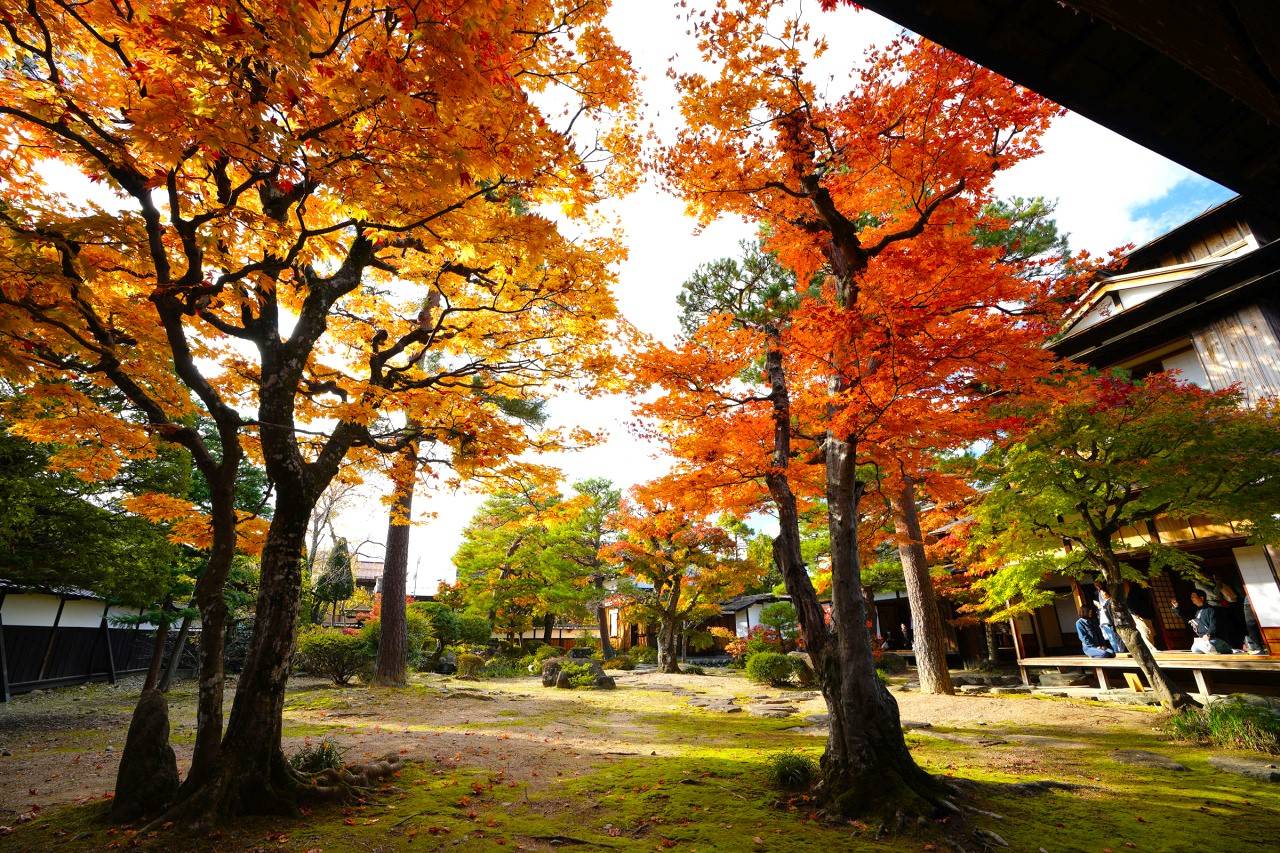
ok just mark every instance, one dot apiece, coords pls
pixel 60 637
pixel 1201 299
pixel 368 574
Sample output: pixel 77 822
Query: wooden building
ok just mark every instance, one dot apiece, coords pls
pixel 1201 299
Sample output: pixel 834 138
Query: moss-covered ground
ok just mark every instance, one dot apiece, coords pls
pixel 638 769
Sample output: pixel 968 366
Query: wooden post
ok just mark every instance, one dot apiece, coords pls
pixel 93 649
pixel 4 662
pixel 105 630
pixel 1202 683
pixel 53 635
pixel 1102 677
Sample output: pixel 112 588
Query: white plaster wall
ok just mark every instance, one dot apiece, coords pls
pixel 29 609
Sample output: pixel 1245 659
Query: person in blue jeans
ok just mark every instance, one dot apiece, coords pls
pixel 1095 646
pixel 1106 616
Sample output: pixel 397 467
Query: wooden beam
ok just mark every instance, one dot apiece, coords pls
pixel 4 662
pixel 53 636
pixel 105 629
pixel 1202 683
pixel 1102 677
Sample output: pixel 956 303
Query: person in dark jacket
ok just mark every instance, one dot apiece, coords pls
pixel 1203 622
pixel 1091 639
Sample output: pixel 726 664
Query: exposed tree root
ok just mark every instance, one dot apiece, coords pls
pixel 233 790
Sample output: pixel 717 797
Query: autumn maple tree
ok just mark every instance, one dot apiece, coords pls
pixel 876 192
pixel 676 565
pixel 280 189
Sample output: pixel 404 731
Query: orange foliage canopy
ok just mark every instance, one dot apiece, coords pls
pixel 914 328
pixel 281 188
pixel 680 565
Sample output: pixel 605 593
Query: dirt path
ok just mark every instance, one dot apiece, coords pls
pixel 64 746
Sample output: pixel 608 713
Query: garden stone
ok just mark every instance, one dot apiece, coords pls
pixel 772 710
pixel 562 680
pixel 1009 691
pixel 1146 758
pixel 148 776
pixel 581 654
pixel 605 682
pixel 973 689
pixel 803 665
pixel 1250 768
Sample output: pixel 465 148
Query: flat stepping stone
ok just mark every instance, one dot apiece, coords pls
pixel 973 689
pixel 775 711
pixel 1047 741
pixel 1010 691
pixel 1250 768
pixel 724 706
pixel 819 719
pixel 911 725
pixel 1146 758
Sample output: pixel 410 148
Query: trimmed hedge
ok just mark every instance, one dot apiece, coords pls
pixel 770 668
pixel 332 653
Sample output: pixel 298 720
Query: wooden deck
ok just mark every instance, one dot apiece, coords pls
pixel 1201 666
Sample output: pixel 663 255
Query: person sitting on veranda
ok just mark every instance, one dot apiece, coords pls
pixel 1203 622
pixel 1090 634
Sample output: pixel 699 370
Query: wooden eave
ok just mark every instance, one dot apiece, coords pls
pixel 1197 80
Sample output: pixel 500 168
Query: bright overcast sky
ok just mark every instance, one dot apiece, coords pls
pixel 1110 192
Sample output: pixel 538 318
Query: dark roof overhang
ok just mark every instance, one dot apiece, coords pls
pixel 1197 80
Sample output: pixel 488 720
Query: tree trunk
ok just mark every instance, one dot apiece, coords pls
pixel 251 774
pixel 667 660
pixel 867 765
pixel 992 651
pixel 393 636
pixel 157 655
pixel 175 659
pixel 929 645
pixel 548 625
pixel 602 621
pixel 1166 691
pixel 212 605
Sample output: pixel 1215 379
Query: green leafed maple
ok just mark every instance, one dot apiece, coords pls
pixel 281 188
pixel 1104 464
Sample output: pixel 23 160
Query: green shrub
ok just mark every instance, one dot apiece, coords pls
pixel 1231 723
pixel 792 771
pixel 770 668
pixel 543 652
pixel 643 654
pixel 580 674
pixel 469 665
pixel 619 662
pixel 693 670
pixel 315 758
pixel 474 630
pixel 333 654
pixel 504 668
pixel 418 629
